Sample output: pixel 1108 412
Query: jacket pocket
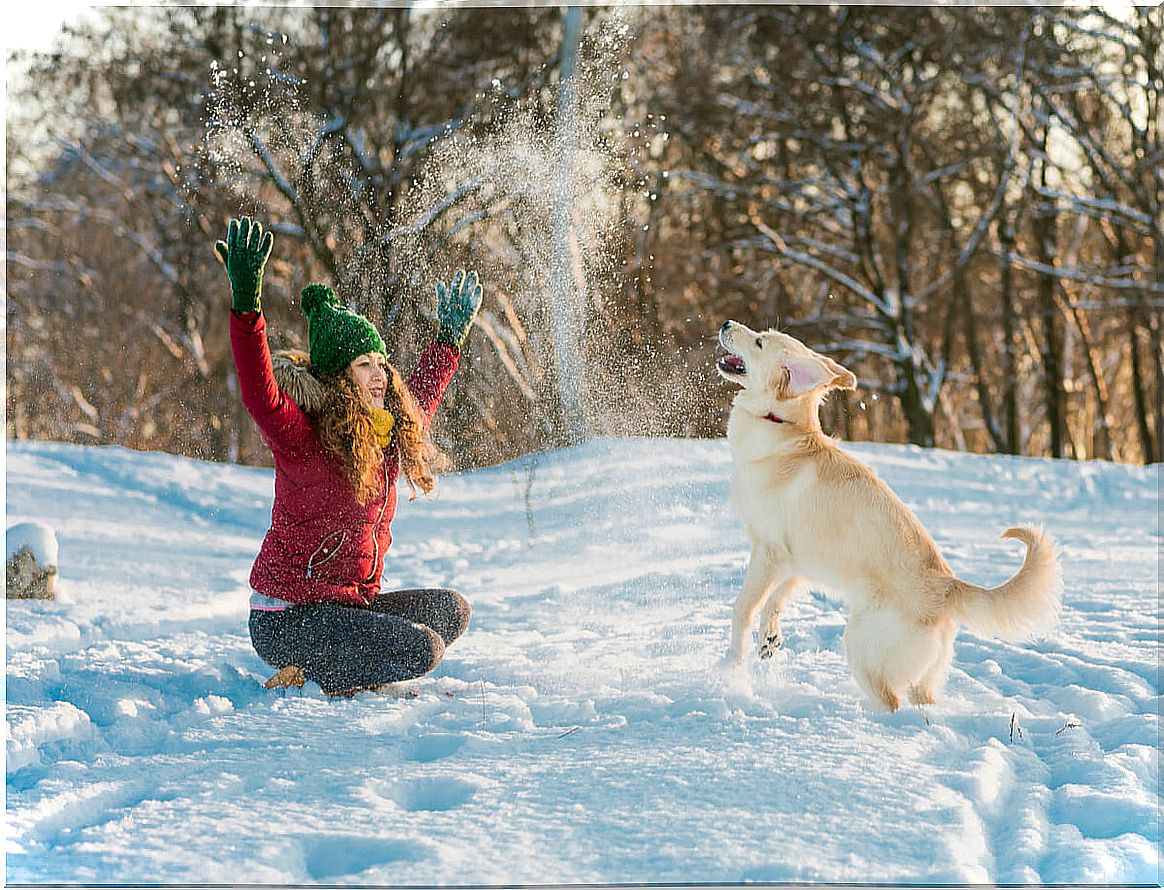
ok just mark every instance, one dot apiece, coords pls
pixel 328 549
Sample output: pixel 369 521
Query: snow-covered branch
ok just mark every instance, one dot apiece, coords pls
pixel 426 219
pixel 1082 276
pixel 847 281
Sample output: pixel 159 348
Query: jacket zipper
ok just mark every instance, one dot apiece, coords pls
pixel 376 527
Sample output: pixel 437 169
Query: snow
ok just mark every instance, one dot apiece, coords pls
pixel 582 731
pixel 40 539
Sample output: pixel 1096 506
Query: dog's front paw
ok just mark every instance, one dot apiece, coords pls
pixel 770 644
pixel 731 665
pixel 731 676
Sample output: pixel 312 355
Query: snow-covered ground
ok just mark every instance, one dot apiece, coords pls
pixel 582 730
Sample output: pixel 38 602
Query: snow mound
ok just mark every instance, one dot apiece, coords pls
pixel 39 538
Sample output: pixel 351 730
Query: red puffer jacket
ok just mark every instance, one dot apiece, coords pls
pixel 322 544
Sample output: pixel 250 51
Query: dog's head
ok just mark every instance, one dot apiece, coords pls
pixel 775 369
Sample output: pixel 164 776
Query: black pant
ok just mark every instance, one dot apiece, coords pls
pixel 402 635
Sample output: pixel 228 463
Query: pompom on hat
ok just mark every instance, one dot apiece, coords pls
pixel 335 334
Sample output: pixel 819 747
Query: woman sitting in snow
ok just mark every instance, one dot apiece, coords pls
pixel 342 425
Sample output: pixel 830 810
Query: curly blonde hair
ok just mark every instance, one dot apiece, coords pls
pixel 344 426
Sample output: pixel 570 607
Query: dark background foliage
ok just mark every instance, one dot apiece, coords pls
pixel 961 205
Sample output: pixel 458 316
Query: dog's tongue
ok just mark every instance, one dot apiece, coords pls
pixel 733 362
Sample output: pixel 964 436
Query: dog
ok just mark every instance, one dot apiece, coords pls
pixel 816 515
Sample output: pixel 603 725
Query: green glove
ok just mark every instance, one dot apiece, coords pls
pixel 244 254
pixel 457 306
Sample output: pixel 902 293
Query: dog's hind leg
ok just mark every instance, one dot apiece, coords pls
pixel 771 637
pixel 873 643
pixel 924 691
pixel 764 570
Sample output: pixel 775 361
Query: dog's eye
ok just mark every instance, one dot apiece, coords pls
pixel 759 343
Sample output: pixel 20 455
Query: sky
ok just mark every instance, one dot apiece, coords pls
pixel 33 25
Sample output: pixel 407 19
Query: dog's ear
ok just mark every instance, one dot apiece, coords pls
pixel 843 378
pixel 805 373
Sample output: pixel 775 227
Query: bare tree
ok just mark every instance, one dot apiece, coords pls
pixel 1103 91
pixel 334 125
pixel 965 206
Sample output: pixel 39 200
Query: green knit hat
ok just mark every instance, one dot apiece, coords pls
pixel 335 334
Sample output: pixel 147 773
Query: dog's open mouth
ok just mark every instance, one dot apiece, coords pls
pixel 731 365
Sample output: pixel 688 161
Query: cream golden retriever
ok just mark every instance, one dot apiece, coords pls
pixel 817 516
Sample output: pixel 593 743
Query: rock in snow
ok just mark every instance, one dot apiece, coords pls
pixel 30 561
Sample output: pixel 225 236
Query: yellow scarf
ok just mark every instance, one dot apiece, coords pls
pixel 382 423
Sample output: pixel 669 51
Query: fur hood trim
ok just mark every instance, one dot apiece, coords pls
pixel 293 374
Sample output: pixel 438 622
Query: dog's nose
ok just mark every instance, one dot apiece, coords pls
pixel 723 327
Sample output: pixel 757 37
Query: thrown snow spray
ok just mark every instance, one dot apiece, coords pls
pixel 567 287
pixel 537 213
pixel 526 195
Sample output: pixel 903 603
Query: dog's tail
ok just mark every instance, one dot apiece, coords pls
pixel 1023 607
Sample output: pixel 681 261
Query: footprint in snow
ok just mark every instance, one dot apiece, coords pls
pixel 433 794
pixel 434 747
pixel 343 855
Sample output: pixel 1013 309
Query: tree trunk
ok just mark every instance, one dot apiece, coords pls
pixel 1154 324
pixel 1012 434
pixel 1045 245
pixel 1136 320
pixel 918 415
pixel 974 348
pixel 1158 360
pixel 1139 397
pixel 1102 444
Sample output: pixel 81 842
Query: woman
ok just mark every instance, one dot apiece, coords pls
pixel 342 425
